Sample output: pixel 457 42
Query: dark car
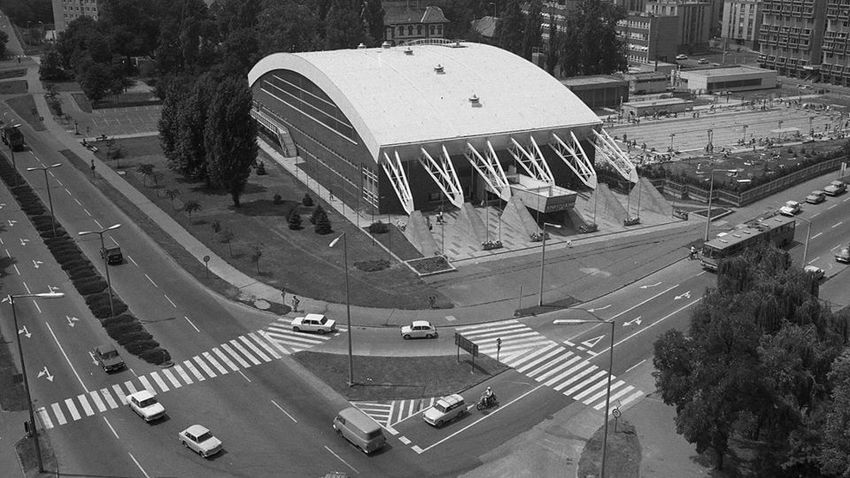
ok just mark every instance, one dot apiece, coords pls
pixel 108 358
pixel 112 255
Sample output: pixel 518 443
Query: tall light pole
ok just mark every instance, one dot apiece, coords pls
pixel 105 261
pixel 543 258
pixel 608 392
pixel 347 305
pixel 33 427
pixel 672 135
pixel 780 130
pixel 47 185
pixel 744 138
pixel 710 195
pixel 808 235
pixel 12 149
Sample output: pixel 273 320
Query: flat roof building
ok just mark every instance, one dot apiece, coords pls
pixel 599 91
pixel 737 78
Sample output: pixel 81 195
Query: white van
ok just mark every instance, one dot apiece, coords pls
pixel 360 429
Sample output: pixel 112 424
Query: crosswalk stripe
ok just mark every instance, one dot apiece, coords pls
pixel 519 331
pixel 585 382
pixel 89 411
pixel 275 342
pixel 171 378
pixel 120 394
pixel 244 352
pixel 549 364
pixel 72 409
pixel 557 350
pixel 108 397
pixel 146 384
pixel 225 359
pixel 57 412
pixel 297 337
pixel 214 362
pixel 583 364
pixel 601 393
pixel 130 387
pixel 194 371
pixel 185 376
pixel 589 390
pixel 45 418
pixel 236 356
pixel 204 366
pixel 615 396
pixel 631 398
pixel 572 360
pixel 254 348
pixel 296 342
pixel 489 325
pixel 260 340
pixel 519 360
pixel 159 381
pixel 95 397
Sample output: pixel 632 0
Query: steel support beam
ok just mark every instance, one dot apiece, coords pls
pixel 532 161
pixel 443 173
pixel 398 180
pixel 607 150
pixel 489 169
pixel 575 158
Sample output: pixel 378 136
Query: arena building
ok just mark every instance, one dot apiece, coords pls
pixel 407 128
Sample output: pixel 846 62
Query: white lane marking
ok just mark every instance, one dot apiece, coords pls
pixel 152 282
pixel 62 349
pixel 89 411
pixel 645 301
pixel 171 378
pixel 633 366
pixel 194 370
pixel 69 192
pixel 254 348
pixel 159 381
pixel 662 319
pixel 284 411
pixel 139 465
pixel 130 387
pixel 78 202
pixel 16 269
pixel 813 260
pixel 340 459
pixel 170 301
pixel 110 427
pixel 72 409
pixel 265 345
pixel 133 261
pixel 834 205
pixel 816 235
pixel 183 374
pixel 57 411
pixel 615 396
pixel 108 397
pixel 589 390
pixel 192 324
pixel 598 395
pixel 631 397
pixel 235 355
pixel 837 224
pixel 244 376
pixel 98 224
pixel 239 347
pixel 86 211
pixel 57 180
pixel 95 397
pixel 494 412
pixel 44 417
pixel 585 382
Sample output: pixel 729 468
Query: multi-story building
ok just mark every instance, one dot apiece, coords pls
pixel 632 6
pixel 557 11
pixel 66 11
pixel 741 23
pixel 790 36
pixel 835 67
pixel 650 37
pixel 694 17
pixel 406 21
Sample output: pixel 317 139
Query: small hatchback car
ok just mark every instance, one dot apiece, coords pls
pixel 146 405
pixel 419 329
pixel 199 439
pixel 108 358
pixel 314 323
pixel 445 410
pixel 816 197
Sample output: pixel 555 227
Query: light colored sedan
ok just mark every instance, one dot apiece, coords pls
pixel 815 271
pixel 419 329
pixel 816 197
pixel 199 439
pixel 314 323
pixel 445 410
pixel 146 405
pixel 790 208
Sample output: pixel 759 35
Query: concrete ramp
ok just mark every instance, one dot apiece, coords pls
pixel 608 206
pixel 419 235
pixel 516 215
pixel 652 200
pixel 469 220
pixel 584 208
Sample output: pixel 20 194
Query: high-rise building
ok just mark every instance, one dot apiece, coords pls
pixel 791 36
pixel 66 11
pixel 695 20
pixel 835 67
pixel 741 23
pixel 650 37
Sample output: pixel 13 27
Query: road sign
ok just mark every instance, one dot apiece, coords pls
pixel 466 344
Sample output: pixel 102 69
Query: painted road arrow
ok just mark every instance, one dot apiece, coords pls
pixel 650 285
pixel 599 308
pixel 36 263
pixel 71 320
pixel 686 295
pixel 636 320
pixel 24 241
pixel 12 222
pixel 23 331
pixel 45 373
pixel 590 343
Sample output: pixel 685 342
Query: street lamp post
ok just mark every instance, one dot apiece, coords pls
pixel 105 261
pixel 808 235
pixel 672 135
pixel 780 130
pixel 710 195
pixel 49 198
pixel 347 305
pixel 608 391
pixel 33 427
pixel 12 150
pixel 543 258
pixel 744 138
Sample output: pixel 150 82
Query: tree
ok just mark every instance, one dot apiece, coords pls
pixel 316 213
pixel 190 151
pixel 187 39
pixel 50 68
pixel 531 32
pixel 373 18
pixel 294 220
pixel 592 45
pixel 834 457
pixel 96 80
pixel 323 223
pixel 191 207
pixel 172 194
pixel 146 170
pixel 175 93
pixel 226 237
pixel 256 253
pixel 343 27
pixel 554 44
pixel 4 38
pixel 509 28
pixel 288 26
pixel 230 137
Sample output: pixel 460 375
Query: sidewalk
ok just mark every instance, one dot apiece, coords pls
pixel 11 430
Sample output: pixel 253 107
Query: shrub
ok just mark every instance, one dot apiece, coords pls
pixel 156 356
pixel 72 263
pixel 294 220
pixel 379 227
pixel 316 212
pixel 120 329
pixel 131 337
pixel 139 346
pixel 323 224
pixel 82 273
pixel 307 200
pixel 125 318
pixel 90 287
pixel 277 199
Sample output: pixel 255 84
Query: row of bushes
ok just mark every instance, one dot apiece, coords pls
pixel 123 327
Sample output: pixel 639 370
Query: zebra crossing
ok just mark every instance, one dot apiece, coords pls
pixel 548 362
pixel 390 413
pixel 243 352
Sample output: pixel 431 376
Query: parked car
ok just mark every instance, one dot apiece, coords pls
pixel 790 208
pixel 108 358
pixel 702 61
pixel 815 271
pixel 816 197
pixel 445 410
pixel 843 255
pixel 314 323
pixel 199 439
pixel 419 329
pixel 681 56
pixel 835 188
pixel 112 255
pixel 146 405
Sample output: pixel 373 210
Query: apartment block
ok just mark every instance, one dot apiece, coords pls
pixel 650 37
pixel 741 23
pixel 835 67
pixel 66 11
pixel 791 36
pixel 694 18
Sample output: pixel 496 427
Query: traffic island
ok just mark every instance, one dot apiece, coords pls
pixel 623 453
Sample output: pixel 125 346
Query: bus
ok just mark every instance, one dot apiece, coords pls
pixel 778 230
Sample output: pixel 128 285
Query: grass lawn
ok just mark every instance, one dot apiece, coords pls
pixel 623 455
pixel 301 260
pixel 16 73
pixel 13 87
pixel 392 378
pixel 12 393
pixel 82 101
pixel 24 106
pixel 26 451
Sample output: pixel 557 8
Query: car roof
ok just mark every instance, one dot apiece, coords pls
pixel 314 316
pixel 788 203
pixel 141 395
pixel 817 191
pixel 197 430
pixel 452 399
pixel 421 323
pixel 105 348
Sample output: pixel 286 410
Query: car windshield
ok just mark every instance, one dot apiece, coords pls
pixel 440 407
pixel 109 354
pixel 148 402
pixel 206 436
pixel 323 320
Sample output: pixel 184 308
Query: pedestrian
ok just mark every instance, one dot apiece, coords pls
pixel 693 253
pixel 295 303
pixel 92 169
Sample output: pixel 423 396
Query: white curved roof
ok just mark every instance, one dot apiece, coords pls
pixel 395 99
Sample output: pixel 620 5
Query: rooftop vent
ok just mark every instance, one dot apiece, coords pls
pixel 361 46
pixel 408 51
pixel 474 101
pixel 439 69
pixel 386 45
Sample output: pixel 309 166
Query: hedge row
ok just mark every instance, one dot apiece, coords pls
pixel 123 327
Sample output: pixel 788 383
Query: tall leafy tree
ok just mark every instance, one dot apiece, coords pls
pixel 343 26
pixel 190 147
pixel 373 17
pixel 554 44
pixel 288 26
pixel 230 137
pixel 173 96
pixel 531 32
pixel 591 44
pixel 509 28
pixel 187 39
pixel 834 457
